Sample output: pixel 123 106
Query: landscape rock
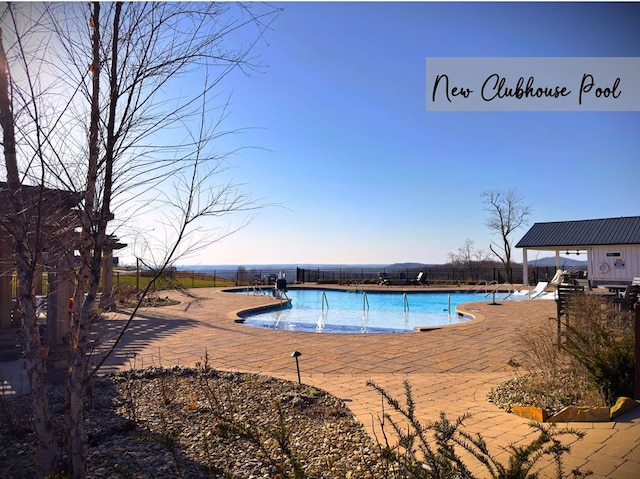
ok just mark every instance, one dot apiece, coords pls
pixel 622 406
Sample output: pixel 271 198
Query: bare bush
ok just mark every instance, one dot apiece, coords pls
pixel 601 339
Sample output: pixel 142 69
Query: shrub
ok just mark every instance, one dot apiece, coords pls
pixel 601 339
pixel 430 450
pixel 551 378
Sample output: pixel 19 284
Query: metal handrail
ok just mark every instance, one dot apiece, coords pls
pixel 284 294
pixel 481 282
pixel 511 292
pixel 405 303
pixel 485 283
pixel 324 301
pixel 494 290
pixel 365 302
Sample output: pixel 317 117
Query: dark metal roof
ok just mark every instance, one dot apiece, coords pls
pixel 600 232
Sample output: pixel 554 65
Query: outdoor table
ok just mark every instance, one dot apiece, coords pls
pixel 604 294
pixel 618 289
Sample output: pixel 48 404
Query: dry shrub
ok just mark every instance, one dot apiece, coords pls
pixel 124 294
pixel 540 351
pixel 552 377
pixel 601 340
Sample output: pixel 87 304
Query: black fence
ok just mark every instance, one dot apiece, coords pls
pixel 433 275
pixel 204 278
pixel 441 274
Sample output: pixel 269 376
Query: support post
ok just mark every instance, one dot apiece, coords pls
pixel 636 377
pixel 6 273
pixel 61 285
pixel 107 301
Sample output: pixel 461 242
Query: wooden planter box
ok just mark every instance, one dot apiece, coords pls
pixel 578 413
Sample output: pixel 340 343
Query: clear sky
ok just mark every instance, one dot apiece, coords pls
pixel 363 173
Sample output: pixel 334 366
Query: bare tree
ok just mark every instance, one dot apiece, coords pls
pixel 469 260
pixel 468 256
pixel 26 239
pixel 507 212
pixel 123 126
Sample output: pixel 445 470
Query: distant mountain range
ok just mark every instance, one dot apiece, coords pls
pixel 409 265
pixel 564 262
pixel 542 262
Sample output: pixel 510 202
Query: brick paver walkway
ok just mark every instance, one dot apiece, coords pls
pixel 450 369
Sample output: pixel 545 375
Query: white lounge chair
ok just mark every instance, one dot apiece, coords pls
pixel 531 294
pixel 558 277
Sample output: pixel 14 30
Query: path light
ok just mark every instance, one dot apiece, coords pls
pixel 297 354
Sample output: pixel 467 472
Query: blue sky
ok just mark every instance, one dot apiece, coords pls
pixel 363 173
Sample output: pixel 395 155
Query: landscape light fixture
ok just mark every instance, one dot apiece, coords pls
pixel 297 354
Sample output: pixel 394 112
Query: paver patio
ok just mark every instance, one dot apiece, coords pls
pixel 450 369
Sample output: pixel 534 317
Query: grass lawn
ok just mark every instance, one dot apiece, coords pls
pixel 171 280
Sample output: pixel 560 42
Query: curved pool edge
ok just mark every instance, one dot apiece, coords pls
pixel 464 309
pixel 473 314
pixel 238 315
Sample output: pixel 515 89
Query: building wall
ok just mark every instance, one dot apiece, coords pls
pixel 614 263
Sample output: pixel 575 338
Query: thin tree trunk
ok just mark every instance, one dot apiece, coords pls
pixel 46 449
pixel 89 277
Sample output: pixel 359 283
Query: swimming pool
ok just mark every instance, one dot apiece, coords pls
pixel 333 311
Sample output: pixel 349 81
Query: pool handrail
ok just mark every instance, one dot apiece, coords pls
pixel 497 288
pixel 479 283
pixel 484 283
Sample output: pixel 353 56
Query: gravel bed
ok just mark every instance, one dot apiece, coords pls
pixel 181 422
pixel 549 392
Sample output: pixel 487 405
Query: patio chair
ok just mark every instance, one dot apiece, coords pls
pixel 585 283
pixel 564 293
pixel 630 298
pixel 532 294
pixel 418 279
pixel 383 279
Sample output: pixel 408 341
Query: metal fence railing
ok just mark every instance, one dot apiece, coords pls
pixel 441 274
pixel 434 274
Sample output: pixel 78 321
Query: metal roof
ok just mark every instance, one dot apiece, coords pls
pixel 598 232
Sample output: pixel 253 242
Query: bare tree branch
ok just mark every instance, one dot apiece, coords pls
pixel 507 213
pixel 100 108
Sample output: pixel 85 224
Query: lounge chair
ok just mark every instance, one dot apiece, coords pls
pixel 531 294
pixel 418 279
pixel 383 279
pixel 558 278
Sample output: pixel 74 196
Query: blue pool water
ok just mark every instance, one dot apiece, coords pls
pixel 330 311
